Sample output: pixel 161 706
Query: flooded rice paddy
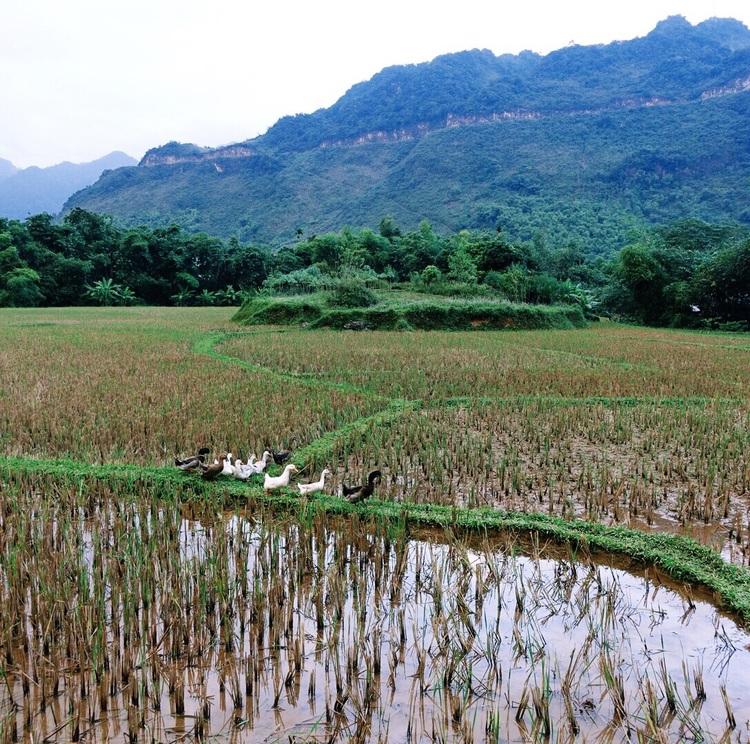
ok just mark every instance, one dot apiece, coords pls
pixel 127 621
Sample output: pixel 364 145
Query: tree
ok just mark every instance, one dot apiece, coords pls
pixel 388 228
pixel 206 298
pixel 21 288
pixel 127 296
pixel 721 286
pixel 462 267
pixel 431 275
pixel 9 260
pixel 182 298
pixel 644 278
pixel 514 283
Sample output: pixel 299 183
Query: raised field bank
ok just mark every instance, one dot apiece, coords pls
pixel 400 310
pixel 557 548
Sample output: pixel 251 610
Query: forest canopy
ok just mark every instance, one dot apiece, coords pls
pixel 689 273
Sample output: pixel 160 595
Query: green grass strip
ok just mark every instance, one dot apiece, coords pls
pixel 323 448
pixel 206 346
pixel 682 558
pixel 565 402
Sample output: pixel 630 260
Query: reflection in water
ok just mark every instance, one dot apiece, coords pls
pixel 249 630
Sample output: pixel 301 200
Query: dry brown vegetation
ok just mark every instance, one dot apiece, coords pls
pixel 124 386
pixel 649 428
pixel 604 360
pixel 680 468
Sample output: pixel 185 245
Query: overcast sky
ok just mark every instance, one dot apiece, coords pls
pixel 81 78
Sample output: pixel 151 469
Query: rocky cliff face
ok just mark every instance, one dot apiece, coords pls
pixel 193 154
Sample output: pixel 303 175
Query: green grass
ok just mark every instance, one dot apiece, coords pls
pixel 396 312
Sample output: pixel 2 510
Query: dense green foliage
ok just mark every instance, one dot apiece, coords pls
pixel 688 273
pixel 87 259
pixel 583 145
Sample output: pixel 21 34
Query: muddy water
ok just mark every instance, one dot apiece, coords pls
pixel 288 633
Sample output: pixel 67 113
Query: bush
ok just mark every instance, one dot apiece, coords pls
pixel 264 310
pixel 424 315
pixel 352 295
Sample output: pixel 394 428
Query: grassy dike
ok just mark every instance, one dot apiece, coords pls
pixel 394 313
pixel 681 558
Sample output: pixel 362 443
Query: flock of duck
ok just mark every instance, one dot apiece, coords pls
pixel 228 465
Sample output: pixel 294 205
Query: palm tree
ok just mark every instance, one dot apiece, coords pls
pixel 127 296
pixel 206 298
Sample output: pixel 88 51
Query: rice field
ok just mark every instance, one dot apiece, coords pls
pixel 647 428
pixel 602 361
pixel 136 621
pixel 109 385
pixel 138 616
pixel 681 468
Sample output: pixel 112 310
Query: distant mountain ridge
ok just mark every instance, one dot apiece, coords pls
pixel 7 169
pixel 582 144
pixel 32 190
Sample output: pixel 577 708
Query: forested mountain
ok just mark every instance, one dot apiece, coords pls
pixel 33 190
pixel 580 145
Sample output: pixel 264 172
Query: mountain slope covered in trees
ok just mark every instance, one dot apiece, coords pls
pixel 33 190
pixel 581 145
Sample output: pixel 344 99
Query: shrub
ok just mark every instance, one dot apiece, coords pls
pixel 352 295
pixel 264 310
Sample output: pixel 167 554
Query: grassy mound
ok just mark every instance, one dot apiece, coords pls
pixel 396 311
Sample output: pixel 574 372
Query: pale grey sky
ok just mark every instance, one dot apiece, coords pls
pixel 81 78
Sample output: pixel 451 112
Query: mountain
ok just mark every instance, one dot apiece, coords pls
pixel 33 190
pixel 7 169
pixel 582 144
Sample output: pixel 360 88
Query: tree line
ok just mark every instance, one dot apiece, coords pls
pixel 687 274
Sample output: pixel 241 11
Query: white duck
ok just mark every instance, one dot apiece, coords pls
pixel 319 485
pixel 270 484
pixel 241 471
pixel 228 467
pixel 260 465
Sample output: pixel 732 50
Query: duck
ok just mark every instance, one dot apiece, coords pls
pixel 192 462
pixel 270 484
pixel 260 465
pixel 211 472
pixel 319 485
pixel 242 471
pixel 355 494
pixel 281 457
pixel 227 469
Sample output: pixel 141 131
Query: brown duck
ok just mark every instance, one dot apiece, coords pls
pixel 210 472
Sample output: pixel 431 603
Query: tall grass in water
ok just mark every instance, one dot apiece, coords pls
pixel 124 618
